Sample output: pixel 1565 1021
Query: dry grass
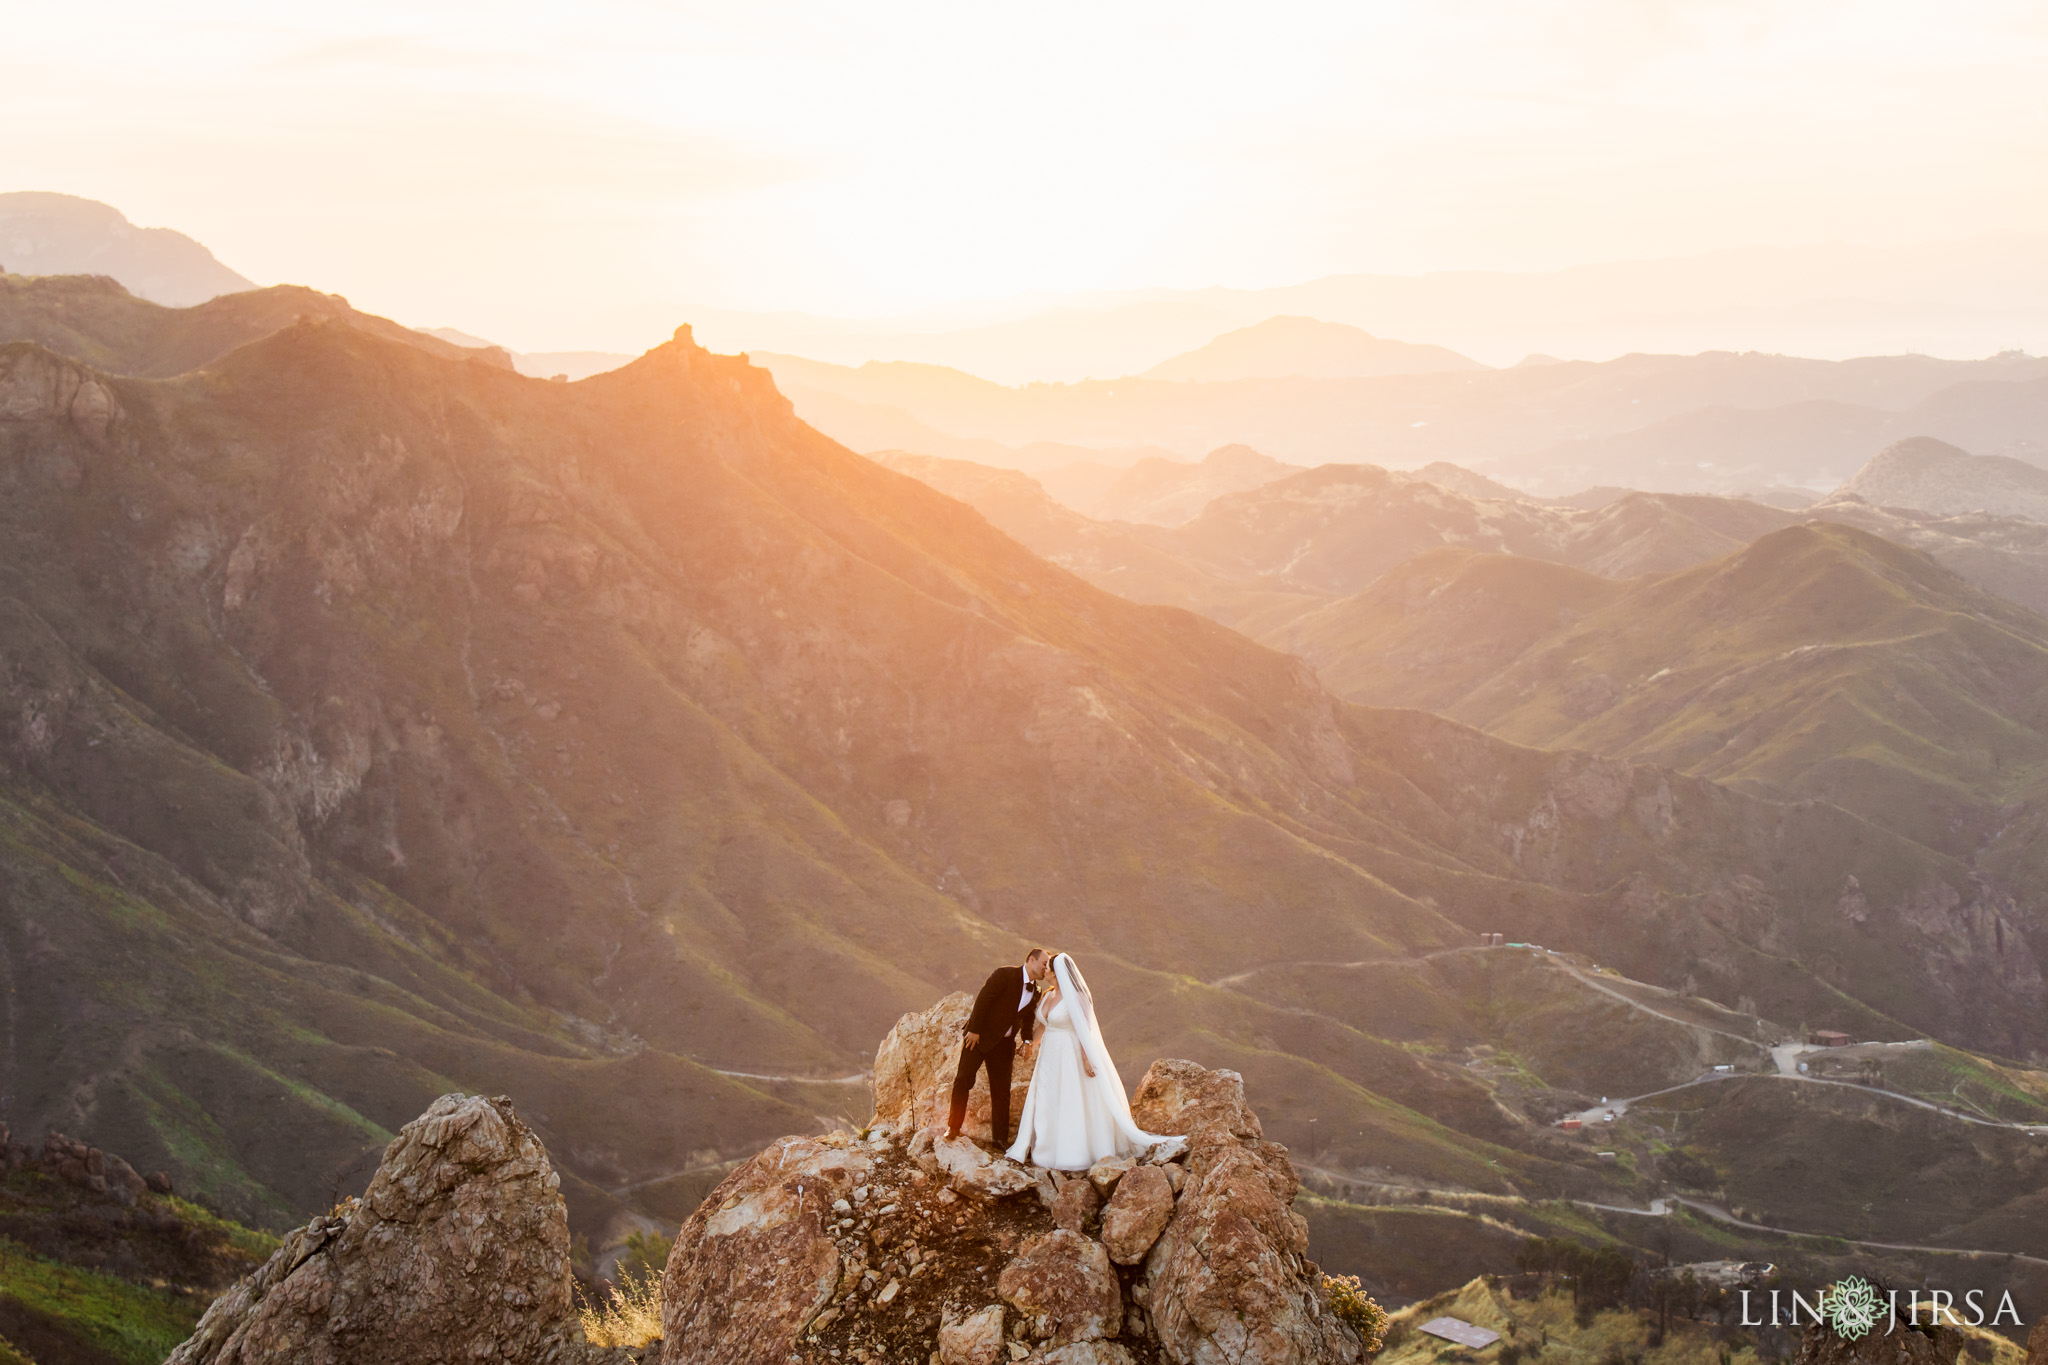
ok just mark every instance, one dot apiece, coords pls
pixel 632 1318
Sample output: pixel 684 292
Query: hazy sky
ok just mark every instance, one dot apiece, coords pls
pixel 567 175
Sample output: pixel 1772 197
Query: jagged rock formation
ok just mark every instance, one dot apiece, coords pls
pixel 459 1251
pixel 897 1245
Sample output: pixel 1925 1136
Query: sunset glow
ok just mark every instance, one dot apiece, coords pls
pixel 584 177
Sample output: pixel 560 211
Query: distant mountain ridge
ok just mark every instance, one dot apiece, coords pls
pixel 62 234
pixel 1258 558
pixel 1308 348
pixel 98 321
pixel 1716 423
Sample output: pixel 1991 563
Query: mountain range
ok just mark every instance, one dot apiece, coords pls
pixel 1721 423
pixel 1973 296
pixel 379 722
pixel 61 234
pixel 1257 559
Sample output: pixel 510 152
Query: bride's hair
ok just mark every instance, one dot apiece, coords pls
pixel 1074 971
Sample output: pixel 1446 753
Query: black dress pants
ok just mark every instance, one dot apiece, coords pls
pixel 996 1054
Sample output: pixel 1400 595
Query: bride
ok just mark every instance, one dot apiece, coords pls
pixel 1075 1112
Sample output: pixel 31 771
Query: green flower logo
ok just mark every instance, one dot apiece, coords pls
pixel 1853 1308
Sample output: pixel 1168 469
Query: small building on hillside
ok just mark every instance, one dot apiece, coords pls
pixel 1827 1037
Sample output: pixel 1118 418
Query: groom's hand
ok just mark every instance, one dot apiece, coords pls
pixel 973 1041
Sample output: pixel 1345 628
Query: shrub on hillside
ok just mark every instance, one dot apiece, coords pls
pixel 1349 1301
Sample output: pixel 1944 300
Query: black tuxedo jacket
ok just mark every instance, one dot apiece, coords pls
pixel 996 1014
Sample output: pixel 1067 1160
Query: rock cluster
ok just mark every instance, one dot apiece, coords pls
pixel 83 1166
pixel 458 1251
pixel 898 1245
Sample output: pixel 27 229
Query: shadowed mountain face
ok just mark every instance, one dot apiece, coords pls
pixel 61 234
pixel 378 723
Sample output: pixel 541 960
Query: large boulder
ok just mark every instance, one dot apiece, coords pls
pixel 758 1261
pixel 1229 1281
pixel 916 1063
pixel 1136 1214
pixel 458 1251
pixel 1066 1288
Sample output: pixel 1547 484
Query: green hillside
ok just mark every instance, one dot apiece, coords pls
pixel 1820 662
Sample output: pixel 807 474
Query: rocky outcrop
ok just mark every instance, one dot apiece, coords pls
pixel 897 1245
pixel 89 1168
pixel 458 1251
pixel 1229 1279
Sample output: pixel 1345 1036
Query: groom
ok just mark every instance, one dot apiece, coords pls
pixel 1002 1018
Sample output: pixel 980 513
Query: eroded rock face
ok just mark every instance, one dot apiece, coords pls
pixel 915 1065
pixel 758 1262
pixel 1064 1284
pixel 1229 1280
pixel 458 1251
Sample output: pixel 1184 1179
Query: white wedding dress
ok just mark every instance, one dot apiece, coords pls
pixel 1072 1120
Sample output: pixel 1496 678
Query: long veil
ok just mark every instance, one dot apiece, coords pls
pixel 1081 1001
